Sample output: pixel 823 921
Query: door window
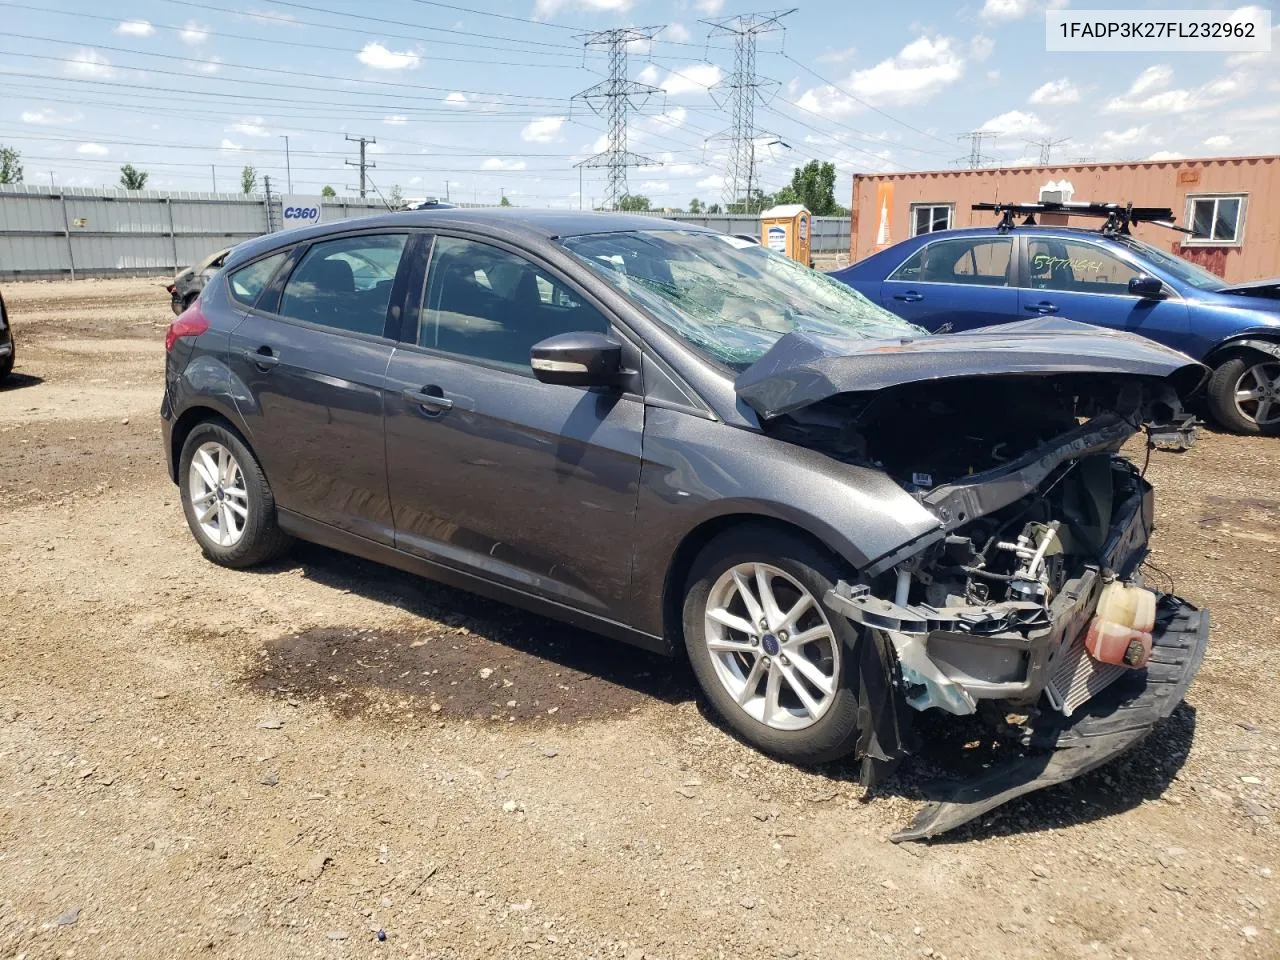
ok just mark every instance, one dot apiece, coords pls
pixel 346 283
pixel 491 305
pixel 1073 266
pixel 247 283
pixel 980 261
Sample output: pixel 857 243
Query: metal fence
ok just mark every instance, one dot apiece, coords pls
pixel 76 232
pixel 86 232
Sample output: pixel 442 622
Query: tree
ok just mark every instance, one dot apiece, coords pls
pixel 10 165
pixel 328 192
pixel 814 185
pixel 695 205
pixel 395 197
pixel 713 209
pixel 633 203
pixel 504 202
pixel 131 178
pixel 248 179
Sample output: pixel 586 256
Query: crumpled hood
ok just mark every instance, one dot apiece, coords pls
pixel 805 368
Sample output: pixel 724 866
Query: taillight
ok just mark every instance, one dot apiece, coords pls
pixel 190 323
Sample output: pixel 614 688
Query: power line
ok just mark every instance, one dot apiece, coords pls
pixel 976 157
pixel 612 98
pixel 363 163
pixel 744 88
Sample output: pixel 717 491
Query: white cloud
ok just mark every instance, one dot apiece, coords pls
pixel 251 127
pixel 654 186
pixel 497 163
pixel 1149 93
pixel 49 117
pixel 395 120
pixel 542 130
pixel 92 149
pixel 1015 123
pixel 455 97
pixel 649 74
pixel 695 78
pixel 836 56
pixel 89 63
pixel 228 145
pixel 1165 155
pixel 713 182
pixel 921 69
pixel 549 8
pixel 997 10
pixel 1123 138
pixel 378 57
pixel 1219 142
pixel 194 34
pixel 1054 92
pixel 993 75
pixel 135 28
pixel 211 65
pixel 981 47
pixel 709 7
pixel 675 117
pixel 677 32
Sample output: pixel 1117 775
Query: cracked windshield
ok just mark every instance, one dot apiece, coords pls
pixel 730 297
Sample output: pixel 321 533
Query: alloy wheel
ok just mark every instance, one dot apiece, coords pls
pixel 218 495
pixel 772 647
pixel 1257 394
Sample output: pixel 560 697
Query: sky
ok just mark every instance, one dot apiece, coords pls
pixel 475 99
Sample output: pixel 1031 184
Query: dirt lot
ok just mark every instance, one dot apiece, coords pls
pixel 282 763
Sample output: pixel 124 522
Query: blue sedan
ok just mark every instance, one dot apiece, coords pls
pixel 960 279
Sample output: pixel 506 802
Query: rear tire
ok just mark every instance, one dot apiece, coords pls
pixel 227 500
pixel 6 365
pixel 1223 384
pixel 814 714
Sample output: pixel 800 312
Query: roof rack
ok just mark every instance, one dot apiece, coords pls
pixel 1118 217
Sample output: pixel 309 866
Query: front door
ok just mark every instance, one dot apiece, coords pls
pixel 1080 279
pixel 958 283
pixel 491 471
pixel 314 364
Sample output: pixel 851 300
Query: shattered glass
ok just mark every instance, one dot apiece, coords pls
pixel 731 299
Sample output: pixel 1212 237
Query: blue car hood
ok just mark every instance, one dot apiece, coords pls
pixel 804 368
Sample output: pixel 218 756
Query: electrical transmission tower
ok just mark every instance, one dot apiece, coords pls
pixel 742 89
pixel 976 157
pixel 1046 146
pixel 612 99
pixel 362 163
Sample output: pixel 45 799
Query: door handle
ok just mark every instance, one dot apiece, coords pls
pixel 264 357
pixel 910 296
pixel 1044 306
pixel 430 398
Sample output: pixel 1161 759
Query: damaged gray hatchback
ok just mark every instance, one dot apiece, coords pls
pixel 688 442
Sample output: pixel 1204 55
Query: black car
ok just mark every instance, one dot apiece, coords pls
pixel 7 352
pixel 685 441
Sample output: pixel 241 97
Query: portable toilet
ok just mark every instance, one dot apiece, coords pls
pixel 785 229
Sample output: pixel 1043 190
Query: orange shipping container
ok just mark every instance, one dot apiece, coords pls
pixel 1235 202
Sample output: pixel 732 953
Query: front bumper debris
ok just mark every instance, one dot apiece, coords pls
pixel 1059 748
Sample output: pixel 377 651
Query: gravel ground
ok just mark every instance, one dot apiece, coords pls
pixel 296 760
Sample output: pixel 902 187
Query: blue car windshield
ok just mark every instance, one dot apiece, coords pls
pixel 1178 268
pixel 730 298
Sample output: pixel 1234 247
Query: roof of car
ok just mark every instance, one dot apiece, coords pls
pixel 1039 230
pixel 542 224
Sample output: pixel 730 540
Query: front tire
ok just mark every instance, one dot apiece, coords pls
pixel 775 664
pixel 1244 395
pixel 227 500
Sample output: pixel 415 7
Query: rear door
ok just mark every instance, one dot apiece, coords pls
pixel 961 281
pixel 312 359
pixel 491 471
pixel 1086 280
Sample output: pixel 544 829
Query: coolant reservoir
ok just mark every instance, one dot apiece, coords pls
pixel 1120 631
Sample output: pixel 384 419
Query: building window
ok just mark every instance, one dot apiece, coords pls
pixel 930 217
pixel 1217 220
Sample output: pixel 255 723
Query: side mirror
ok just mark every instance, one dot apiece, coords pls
pixel 584 359
pixel 1146 287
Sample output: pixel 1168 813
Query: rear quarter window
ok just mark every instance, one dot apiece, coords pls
pixel 247 283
